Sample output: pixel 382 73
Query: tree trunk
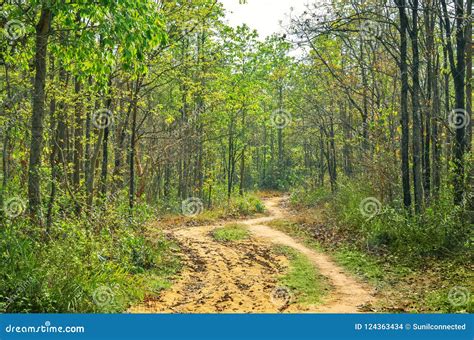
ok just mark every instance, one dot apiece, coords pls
pixel 404 104
pixel 78 150
pixel 458 70
pixel 469 75
pixel 34 190
pixel 417 177
pixel 436 133
pixel 131 195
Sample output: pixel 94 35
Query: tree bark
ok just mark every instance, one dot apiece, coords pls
pixel 41 46
pixel 404 104
pixel 417 175
pixel 458 70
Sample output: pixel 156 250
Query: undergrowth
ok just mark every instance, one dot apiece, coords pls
pixel 103 261
pixel 100 264
pixel 307 286
pixel 422 263
pixel 233 232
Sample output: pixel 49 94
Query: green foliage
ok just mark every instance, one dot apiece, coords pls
pixel 440 231
pixel 359 263
pixel 233 232
pixel 77 270
pixel 426 257
pixel 308 198
pixel 247 204
pixel 304 281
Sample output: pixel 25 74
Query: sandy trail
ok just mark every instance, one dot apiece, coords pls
pixel 241 277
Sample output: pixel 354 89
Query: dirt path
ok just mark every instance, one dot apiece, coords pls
pixel 241 277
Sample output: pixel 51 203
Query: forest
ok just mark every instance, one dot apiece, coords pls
pixel 153 155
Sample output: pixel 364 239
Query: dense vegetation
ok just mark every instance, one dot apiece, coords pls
pixel 116 112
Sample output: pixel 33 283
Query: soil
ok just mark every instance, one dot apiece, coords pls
pixel 242 276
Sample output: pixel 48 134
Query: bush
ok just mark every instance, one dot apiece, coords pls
pixel 78 268
pixel 234 232
pixel 386 227
pixel 304 198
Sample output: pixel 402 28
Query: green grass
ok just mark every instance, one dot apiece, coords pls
pixel 306 284
pixel 414 288
pixel 354 260
pixel 77 271
pixel 233 232
pixel 170 213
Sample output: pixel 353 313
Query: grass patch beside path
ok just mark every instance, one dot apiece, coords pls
pixel 306 284
pixel 229 233
pixel 429 287
pixel 221 210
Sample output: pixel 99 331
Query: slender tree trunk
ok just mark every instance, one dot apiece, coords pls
pixel 131 195
pixel 332 156
pixel 404 104
pixel 417 175
pixel 53 155
pixel 78 131
pixel 34 191
pixel 436 133
pixel 469 75
pixel 458 70
pixel 429 98
pixel 105 151
pixel 6 145
pixel 242 160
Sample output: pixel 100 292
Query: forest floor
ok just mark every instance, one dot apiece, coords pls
pixel 244 275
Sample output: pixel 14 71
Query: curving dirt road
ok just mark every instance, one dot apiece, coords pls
pixel 241 277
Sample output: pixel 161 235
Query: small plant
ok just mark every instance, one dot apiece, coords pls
pixel 233 232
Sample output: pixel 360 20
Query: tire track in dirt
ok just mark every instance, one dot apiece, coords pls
pixel 241 277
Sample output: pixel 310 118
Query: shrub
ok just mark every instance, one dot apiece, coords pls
pixel 439 231
pixel 78 268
